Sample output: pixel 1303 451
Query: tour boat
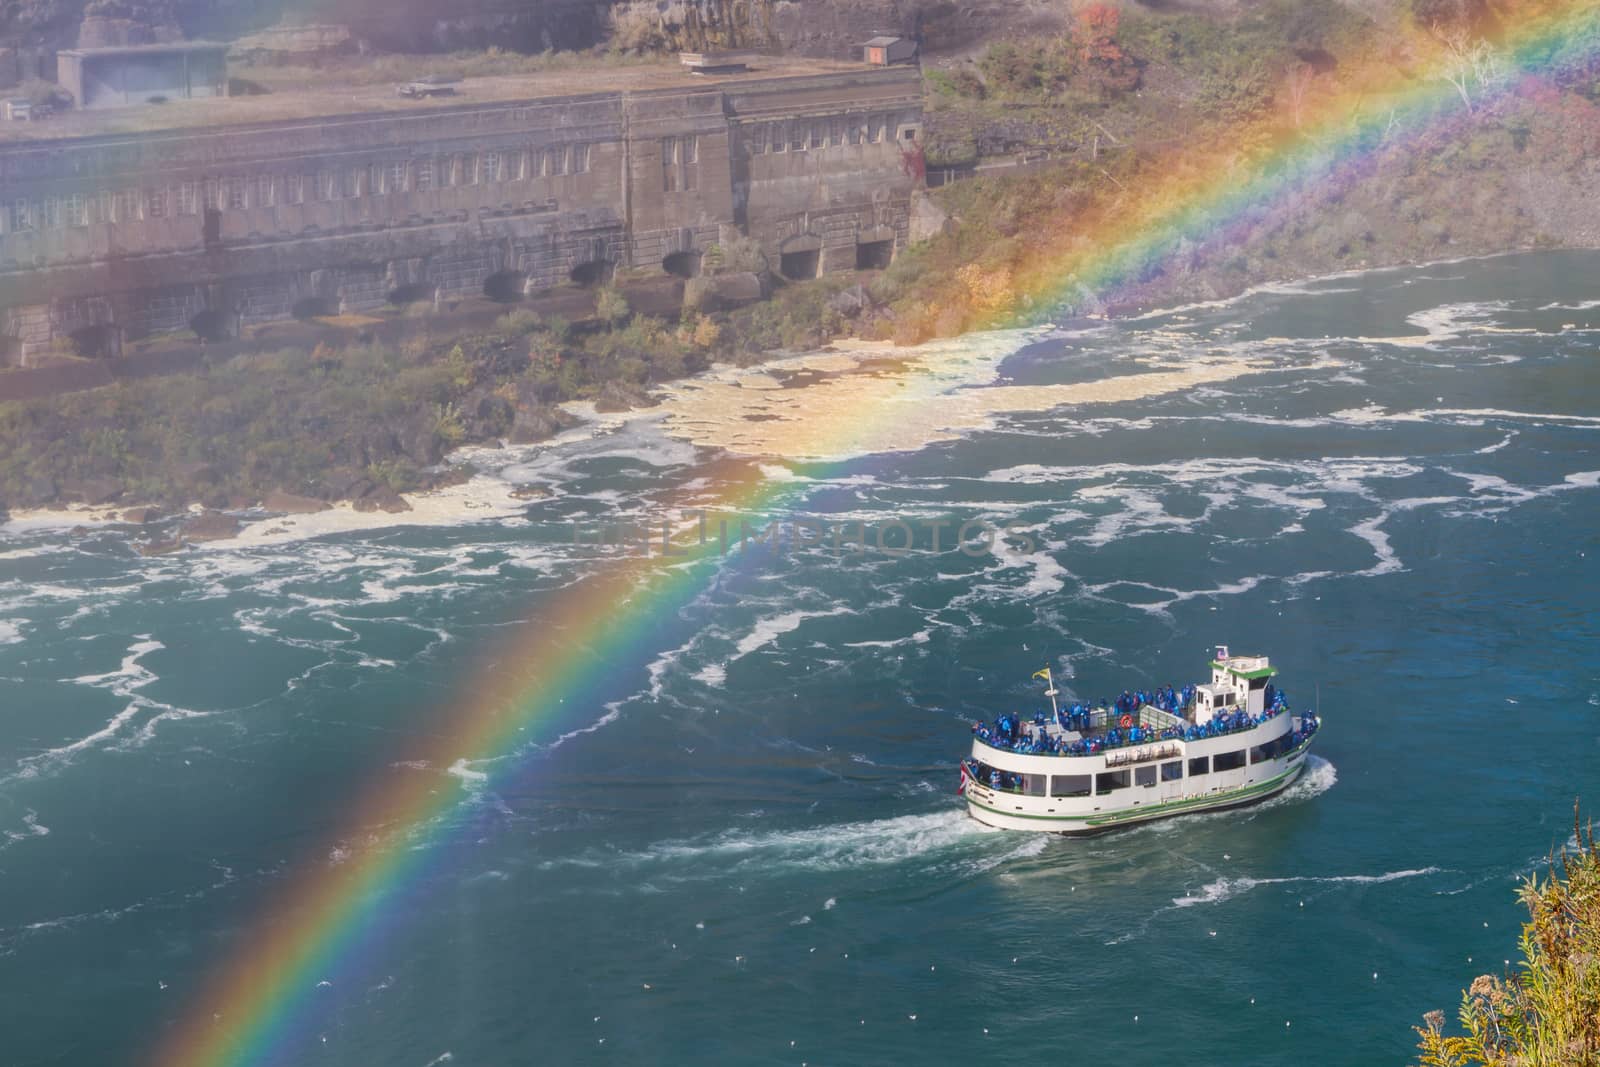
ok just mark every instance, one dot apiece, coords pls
pixel 1145 755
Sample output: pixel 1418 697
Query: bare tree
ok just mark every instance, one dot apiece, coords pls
pixel 1471 64
pixel 1297 87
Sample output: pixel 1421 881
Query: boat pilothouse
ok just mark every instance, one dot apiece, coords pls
pixel 1087 767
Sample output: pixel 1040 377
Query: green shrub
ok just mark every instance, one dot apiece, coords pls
pixel 1548 1013
pixel 518 323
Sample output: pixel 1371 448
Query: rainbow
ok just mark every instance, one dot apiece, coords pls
pixel 255 1006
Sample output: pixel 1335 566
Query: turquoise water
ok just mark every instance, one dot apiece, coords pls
pixel 755 856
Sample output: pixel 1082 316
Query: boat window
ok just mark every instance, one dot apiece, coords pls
pixel 1271 750
pixel 1110 780
pixel 1228 761
pixel 1199 765
pixel 1033 785
pixel 1069 785
pixel 1171 772
pixel 1144 775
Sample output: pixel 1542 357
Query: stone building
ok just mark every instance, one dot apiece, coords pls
pixel 214 215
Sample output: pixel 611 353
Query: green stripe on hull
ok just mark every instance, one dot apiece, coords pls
pixel 1172 807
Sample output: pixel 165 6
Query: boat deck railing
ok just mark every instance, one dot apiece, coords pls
pixel 1012 782
pixel 1106 731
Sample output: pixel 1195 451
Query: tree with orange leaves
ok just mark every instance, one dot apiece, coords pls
pixel 1107 62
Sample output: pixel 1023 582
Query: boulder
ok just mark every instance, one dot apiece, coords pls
pixel 928 219
pixel 210 526
pixel 742 287
pixel 142 516
pixel 343 483
pixel 619 396
pixel 537 423
pixel 383 498
pixel 293 503
pixel 851 302
pixel 531 492
pixel 160 548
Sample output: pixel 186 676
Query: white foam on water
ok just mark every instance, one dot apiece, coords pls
pixel 613 713
pixel 10 631
pixel 772 472
pixel 31 828
pixel 469 775
pixel 921 637
pixel 1504 441
pixel 769 629
pixel 482 498
pixel 1371 531
pixel 1448 322
pixel 1222 889
pixel 949 834
pixel 35 520
pixel 712 674
pixel 873 398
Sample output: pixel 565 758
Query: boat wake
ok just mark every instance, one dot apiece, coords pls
pixel 1215 892
pixel 948 840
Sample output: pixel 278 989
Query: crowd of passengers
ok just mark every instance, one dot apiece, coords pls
pixel 1008 782
pixel 1011 734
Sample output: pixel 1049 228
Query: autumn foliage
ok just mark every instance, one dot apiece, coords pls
pixel 1104 60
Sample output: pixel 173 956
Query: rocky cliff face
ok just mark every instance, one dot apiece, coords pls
pixel 831 29
pixel 396 25
pixel 825 28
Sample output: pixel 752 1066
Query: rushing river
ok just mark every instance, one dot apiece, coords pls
pixel 750 851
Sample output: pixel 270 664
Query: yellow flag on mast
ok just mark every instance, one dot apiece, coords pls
pixel 1045 674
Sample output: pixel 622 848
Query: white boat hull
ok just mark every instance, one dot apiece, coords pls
pixel 1136 803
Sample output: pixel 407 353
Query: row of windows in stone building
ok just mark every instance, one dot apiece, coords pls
pixel 802 135
pixel 676 155
pixel 269 190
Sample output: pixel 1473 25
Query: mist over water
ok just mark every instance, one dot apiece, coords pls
pixel 751 839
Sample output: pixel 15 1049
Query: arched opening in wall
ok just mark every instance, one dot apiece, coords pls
pixel 210 326
pixel 874 255
pixel 94 342
pixel 595 272
pixel 410 294
pixel 682 264
pixel 314 307
pixel 800 265
pixel 10 352
pixel 505 287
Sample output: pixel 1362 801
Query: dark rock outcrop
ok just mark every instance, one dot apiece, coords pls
pixel 538 422
pixel 210 526
pixel 619 396
pixel 293 503
pixel 382 498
